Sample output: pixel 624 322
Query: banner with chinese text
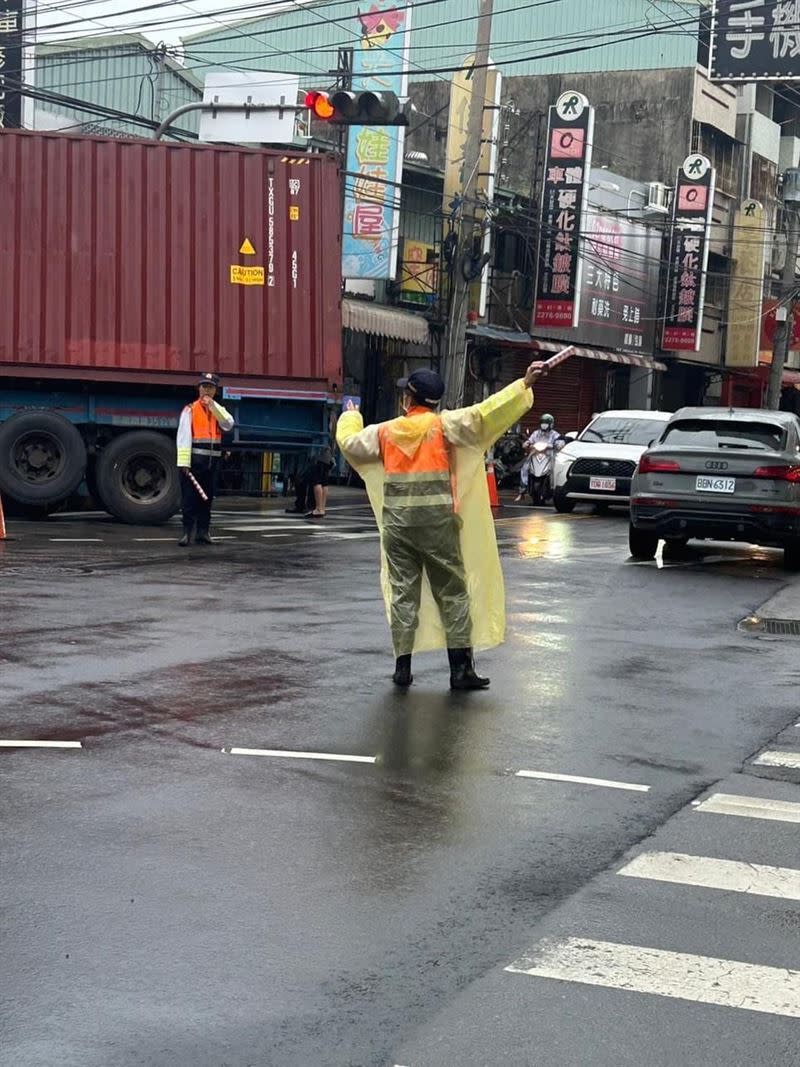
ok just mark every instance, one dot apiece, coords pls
pixel 375 153
pixel 688 258
pixel 570 134
pixel 11 63
pixel 755 40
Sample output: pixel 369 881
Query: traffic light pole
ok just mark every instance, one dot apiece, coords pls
pixel 455 349
pixel 785 326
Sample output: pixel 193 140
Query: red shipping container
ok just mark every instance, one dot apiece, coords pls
pixel 121 259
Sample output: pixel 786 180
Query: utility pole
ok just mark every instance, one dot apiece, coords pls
pixel 784 313
pixel 455 349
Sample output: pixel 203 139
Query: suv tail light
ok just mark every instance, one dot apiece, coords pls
pixel 778 474
pixel 654 465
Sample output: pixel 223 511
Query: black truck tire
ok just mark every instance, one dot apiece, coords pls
pixel 42 458
pixel 137 478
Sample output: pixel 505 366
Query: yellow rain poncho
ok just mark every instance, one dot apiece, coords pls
pixel 468 432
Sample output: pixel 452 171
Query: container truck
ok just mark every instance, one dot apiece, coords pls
pixel 127 268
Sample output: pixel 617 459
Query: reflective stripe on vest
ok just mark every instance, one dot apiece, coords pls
pixel 421 479
pixel 206 434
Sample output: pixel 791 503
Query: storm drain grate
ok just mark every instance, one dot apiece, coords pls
pixel 778 627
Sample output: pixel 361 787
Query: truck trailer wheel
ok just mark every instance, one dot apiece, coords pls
pixel 42 458
pixel 137 479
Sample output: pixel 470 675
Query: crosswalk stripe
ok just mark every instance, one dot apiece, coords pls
pixel 708 873
pixel 778 759
pixel 679 975
pixel 750 807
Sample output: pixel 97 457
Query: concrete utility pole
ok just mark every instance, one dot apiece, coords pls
pixel 455 350
pixel 785 310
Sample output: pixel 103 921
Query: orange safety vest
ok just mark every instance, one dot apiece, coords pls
pixel 206 432
pixel 420 477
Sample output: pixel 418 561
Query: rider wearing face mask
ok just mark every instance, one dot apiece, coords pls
pixel 547 433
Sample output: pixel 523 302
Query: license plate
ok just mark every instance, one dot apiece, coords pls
pixel 605 485
pixel 715 485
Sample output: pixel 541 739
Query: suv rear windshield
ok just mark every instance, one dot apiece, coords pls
pixel 725 433
pixel 622 431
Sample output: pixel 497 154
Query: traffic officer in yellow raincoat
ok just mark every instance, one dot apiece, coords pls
pixel 425 476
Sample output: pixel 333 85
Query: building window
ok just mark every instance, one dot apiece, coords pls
pixel 723 152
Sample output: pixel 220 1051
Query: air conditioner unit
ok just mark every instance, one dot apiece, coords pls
pixel 657 198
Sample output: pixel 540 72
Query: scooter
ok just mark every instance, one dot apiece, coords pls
pixel 509 456
pixel 539 473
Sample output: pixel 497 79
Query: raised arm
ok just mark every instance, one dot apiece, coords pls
pixel 482 424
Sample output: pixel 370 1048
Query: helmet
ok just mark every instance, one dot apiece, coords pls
pixel 547 418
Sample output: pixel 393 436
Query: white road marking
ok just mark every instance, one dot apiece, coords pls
pixel 777 758
pixel 76 538
pixel 335 535
pixel 78 515
pixel 547 776
pixel 154 538
pixel 679 975
pixel 298 755
pixel 277 526
pixel 40 744
pixel 750 807
pixel 708 873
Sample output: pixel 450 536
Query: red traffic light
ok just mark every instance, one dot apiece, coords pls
pixel 320 104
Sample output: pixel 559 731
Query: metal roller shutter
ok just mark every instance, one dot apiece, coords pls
pixel 572 393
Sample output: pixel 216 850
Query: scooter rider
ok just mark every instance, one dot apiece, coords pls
pixel 545 433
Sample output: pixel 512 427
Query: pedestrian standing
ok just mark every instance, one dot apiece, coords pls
pixel 320 479
pixel 200 432
pixel 426 480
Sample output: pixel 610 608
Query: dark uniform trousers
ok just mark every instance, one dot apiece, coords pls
pixel 197 511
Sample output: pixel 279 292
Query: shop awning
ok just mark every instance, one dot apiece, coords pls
pixel 601 353
pixel 387 322
pixel 520 339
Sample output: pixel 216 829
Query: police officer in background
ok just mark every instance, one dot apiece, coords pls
pixel 199 451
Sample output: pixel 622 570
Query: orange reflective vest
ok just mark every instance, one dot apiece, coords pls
pixel 416 471
pixel 206 432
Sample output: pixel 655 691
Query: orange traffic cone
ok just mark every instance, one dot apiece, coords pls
pixel 491 481
pixel 2 522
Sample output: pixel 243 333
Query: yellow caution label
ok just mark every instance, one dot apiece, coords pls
pixel 294 212
pixel 247 248
pixel 246 275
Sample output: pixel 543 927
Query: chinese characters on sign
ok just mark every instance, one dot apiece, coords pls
pixel 755 40
pixel 11 16
pixel 375 153
pixel 619 284
pixel 569 151
pixel 688 259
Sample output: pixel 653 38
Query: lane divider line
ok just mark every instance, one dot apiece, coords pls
pixel 286 754
pixel 76 539
pixel 750 807
pixel 603 782
pixel 677 975
pixel 734 876
pixel 778 758
pixel 40 744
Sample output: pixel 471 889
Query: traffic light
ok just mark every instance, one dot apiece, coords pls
pixel 345 108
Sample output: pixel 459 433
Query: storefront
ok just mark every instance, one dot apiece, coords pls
pixel 591 380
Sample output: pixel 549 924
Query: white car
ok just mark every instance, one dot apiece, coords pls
pixel 597 465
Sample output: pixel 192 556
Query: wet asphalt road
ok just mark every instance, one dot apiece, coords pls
pixel 165 902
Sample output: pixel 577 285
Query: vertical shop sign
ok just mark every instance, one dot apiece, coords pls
pixel 688 259
pixel 375 153
pixel 11 55
pixel 570 133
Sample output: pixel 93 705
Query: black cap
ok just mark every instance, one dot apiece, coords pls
pixel 208 379
pixel 425 384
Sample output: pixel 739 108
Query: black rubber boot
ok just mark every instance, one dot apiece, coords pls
pixel 187 537
pixel 462 670
pixel 203 538
pixel 402 672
